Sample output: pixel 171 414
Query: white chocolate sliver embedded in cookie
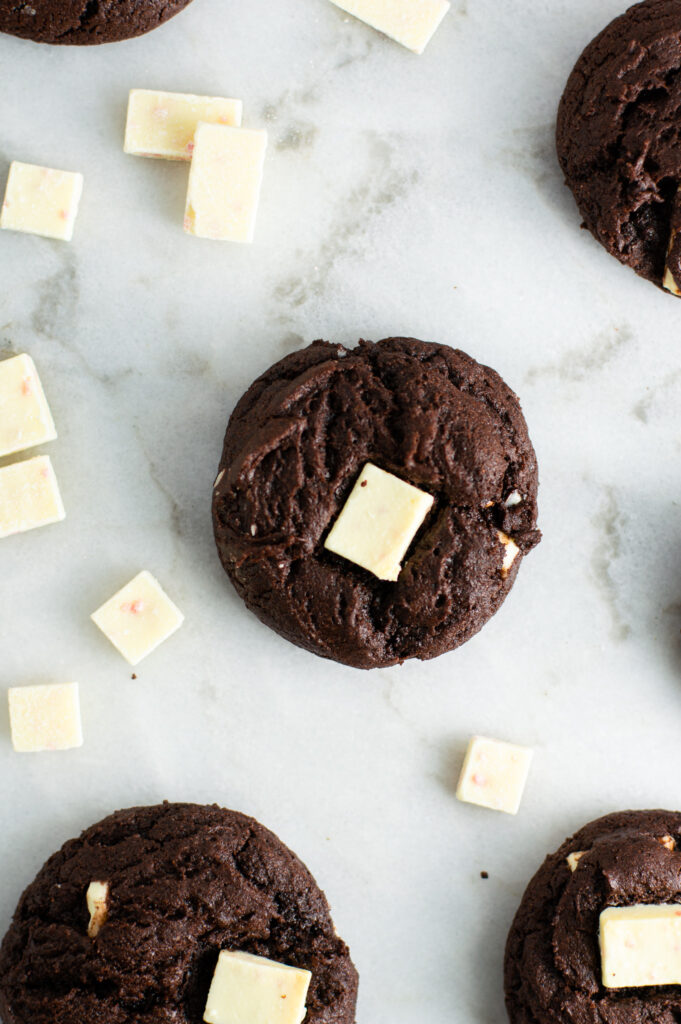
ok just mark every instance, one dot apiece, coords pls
pixel 669 283
pixel 138 618
pixel 412 23
pixel 29 496
pixel 494 774
pixel 45 717
pixel 249 989
pixel 97 899
pixel 41 201
pixel 25 417
pixel 163 124
pixel 641 945
pixel 378 522
pixel 511 552
pixel 224 183
pixel 573 860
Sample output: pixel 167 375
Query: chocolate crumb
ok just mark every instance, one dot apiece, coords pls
pixel 134 675
pixel 484 874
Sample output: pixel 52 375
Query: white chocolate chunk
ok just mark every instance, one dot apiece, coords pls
pixel 45 717
pixel 224 183
pixel 97 899
pixel 41 201
pixel 573 859
pixel 412 23
pixel 511 552
pixel 250 989
pixel 378 522
pixel 29 496
pixel 163 124
pixel 641 945
pixel 494 774
pixel 514 498
pixel 25 417
pixel 138 618
pixel 668 842
pixel 669 283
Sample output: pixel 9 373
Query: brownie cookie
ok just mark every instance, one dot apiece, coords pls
pixel 85 21
pixel 185 882
pixel 553 964
pixel 295 446
pixel 619 134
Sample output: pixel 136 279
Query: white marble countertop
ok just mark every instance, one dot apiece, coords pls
pixel 403 195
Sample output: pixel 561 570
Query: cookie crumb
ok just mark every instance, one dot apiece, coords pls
pixel 484 874
pixel 134 675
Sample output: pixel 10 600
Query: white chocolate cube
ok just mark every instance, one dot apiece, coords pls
pixel 249 989
pixel 224 183
pixel 641 945
pixel 412 23
pixel 41 201
pixel 29 496
pixel 378 522
pixel 97 899
pixel 45 717
pixel 25 417
pixel 494 774
pixel 163 124
pixel 138 618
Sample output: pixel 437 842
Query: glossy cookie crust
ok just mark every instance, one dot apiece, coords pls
pixel 294 447
pixel 186 881
pixel 553 968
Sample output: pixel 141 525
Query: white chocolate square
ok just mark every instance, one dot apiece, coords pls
pixel 163 124
pixel 45 717
pixel 138 618
pixel 640 945
pixel 494 774
pixel 249 989
pixel 224 183
pixel 41 201
pixel 378 522
pixel 412 23
pixel 29 496
pixel 25 417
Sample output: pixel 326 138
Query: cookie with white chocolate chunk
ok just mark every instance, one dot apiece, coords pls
pixel 175 913
pixel 597 936
pixel 618 138
pixel 374 504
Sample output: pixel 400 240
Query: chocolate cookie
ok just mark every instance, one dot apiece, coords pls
pixel 185 882
pixel 553 968
pixel 295 446
pixel 619 134
pixel 85 21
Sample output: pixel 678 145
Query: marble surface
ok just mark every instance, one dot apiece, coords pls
pixel 403 194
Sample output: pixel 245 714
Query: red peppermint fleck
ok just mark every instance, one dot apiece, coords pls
pixel 26 386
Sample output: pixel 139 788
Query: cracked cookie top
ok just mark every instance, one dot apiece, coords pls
pixel 183 882
pixel 84 21
pixel 619 134
pixel 553 964
pixel 294 448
